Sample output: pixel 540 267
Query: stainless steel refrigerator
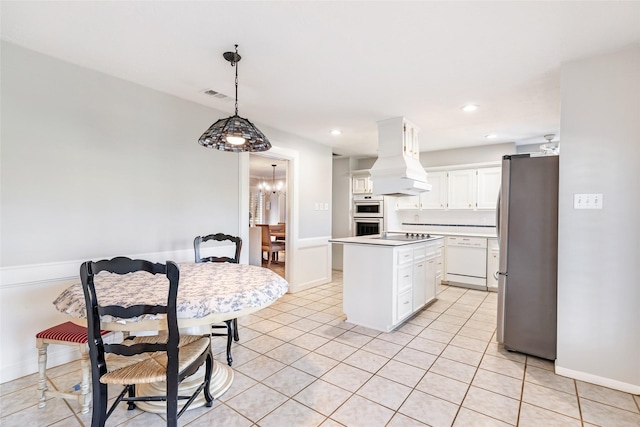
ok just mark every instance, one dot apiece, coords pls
pixel 527 224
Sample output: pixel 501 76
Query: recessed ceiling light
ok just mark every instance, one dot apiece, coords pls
pixel 469 108
pixel 336 132
pixel 490 136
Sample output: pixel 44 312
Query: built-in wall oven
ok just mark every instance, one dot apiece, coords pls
pixel 365 206
pixel 366 226
pixel 368 214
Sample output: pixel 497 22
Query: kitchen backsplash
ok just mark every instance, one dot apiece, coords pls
pixel 483 222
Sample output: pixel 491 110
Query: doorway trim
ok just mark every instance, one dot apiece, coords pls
pixel 292 157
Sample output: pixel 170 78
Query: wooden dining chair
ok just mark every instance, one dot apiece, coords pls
pixel 167 357
pixel 73 335
pixel 231 325
pixel 268 245
pixel 278 231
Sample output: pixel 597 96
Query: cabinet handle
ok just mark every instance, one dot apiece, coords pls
pixel 406 302
pixel 420 265
pixel 406 275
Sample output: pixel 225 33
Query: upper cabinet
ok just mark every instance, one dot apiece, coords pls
pixel 408 202
pixel 475 189
pixel 410 143
pixel 489 180
pixel 459 189
pixel 362 184
pixel 437 197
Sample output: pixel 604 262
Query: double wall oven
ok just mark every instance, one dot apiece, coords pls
pixel 368 214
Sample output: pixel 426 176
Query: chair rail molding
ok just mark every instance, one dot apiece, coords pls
pixel 32 274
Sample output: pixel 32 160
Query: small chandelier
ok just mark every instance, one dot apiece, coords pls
pixel 234 133
pixel 274 188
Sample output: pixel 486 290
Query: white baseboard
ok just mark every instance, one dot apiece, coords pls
pixel 598 380
pixel 55 357
pixel 311 284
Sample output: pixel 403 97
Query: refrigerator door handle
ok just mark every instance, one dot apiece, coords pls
pixel 498 215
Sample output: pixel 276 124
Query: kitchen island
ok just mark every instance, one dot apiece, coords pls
pixel 387 279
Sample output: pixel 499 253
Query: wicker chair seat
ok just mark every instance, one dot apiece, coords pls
pixel 152 367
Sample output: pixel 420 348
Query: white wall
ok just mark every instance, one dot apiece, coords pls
pixel 598 268
pixel 342 206
pixel 467 155
pixel 93 167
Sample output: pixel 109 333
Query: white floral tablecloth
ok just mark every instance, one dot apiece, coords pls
pixel 203 289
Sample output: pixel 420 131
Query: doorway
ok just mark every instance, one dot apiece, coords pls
pixel 269 210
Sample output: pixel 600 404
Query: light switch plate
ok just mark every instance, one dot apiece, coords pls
pixel 587 201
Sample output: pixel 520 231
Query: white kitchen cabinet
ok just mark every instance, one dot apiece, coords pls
pixel 362 184
pixel 384 285
pixel 407 202
pixel 461 189
pixel 432 269
pixel 437 197
pixel 467 189
pixel 402 133
pixel 410 143
pixel 493 264
pixel 439 266
pixel 420 277
pixel 427 273
pixel 488 185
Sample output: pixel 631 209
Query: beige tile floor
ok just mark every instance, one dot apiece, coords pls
pixel 298 363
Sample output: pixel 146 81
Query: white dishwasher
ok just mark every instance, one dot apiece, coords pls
pixel 466 262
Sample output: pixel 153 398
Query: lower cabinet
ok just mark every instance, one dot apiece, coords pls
pixel 439 263
pixel 385 285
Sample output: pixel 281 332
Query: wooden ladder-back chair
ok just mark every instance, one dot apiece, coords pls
pixel 230 325
pixel 268 245
pixel 168 356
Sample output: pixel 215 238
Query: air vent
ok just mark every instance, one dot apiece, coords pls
pixel 214 94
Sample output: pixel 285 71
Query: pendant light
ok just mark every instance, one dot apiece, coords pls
pixel 234 133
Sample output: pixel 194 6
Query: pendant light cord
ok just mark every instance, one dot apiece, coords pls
pixel 234 63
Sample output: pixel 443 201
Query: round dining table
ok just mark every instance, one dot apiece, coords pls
pixel 208 293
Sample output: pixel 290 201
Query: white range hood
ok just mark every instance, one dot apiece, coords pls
pixel 398 171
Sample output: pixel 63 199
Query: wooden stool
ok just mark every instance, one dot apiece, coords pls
pixel 66 334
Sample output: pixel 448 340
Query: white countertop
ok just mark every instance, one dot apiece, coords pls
pixel 454 233
pixel 375 239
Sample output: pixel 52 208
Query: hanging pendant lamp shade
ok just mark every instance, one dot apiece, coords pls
pixel 234 133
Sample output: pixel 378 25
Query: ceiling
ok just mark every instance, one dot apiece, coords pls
pixel 261 167
pixel 309 67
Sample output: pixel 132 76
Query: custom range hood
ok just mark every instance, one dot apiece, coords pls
pixel 398 171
